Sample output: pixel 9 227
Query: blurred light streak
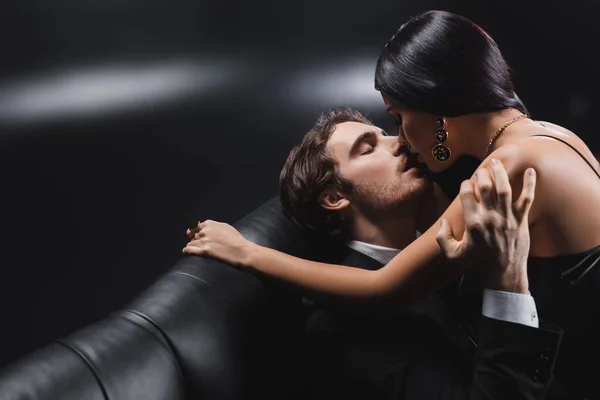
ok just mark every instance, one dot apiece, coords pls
pixel 108 89
pixel 344 82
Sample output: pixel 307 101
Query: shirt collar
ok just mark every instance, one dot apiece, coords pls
pixel 382 254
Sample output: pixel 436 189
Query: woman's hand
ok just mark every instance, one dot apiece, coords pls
pixel 496 229
pixel 218 240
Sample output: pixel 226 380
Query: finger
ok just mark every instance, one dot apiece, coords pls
pixel 196 242
pixel 527 195
pixel 475 188
pixel 194 250
pixel 191 232
pixel 205 224
pixel 486 188
pixel 503 189
pixel 470 207
pixel 446 240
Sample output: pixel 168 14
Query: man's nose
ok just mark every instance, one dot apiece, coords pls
pixel 402 140
pixel 400 148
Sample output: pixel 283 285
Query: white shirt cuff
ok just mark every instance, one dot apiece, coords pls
pixel 510 307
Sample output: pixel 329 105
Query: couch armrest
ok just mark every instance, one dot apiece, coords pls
pixel 236 335
pixel 116 358
pixel 203 330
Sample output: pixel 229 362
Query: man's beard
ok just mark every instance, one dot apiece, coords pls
pixel 401 199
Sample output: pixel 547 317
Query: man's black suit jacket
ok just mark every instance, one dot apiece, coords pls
pixel 425 354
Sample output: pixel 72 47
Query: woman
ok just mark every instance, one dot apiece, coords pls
pixel 446 83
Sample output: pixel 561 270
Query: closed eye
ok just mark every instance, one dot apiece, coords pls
pixel 367 146
pixel 369 150
pixel 364 144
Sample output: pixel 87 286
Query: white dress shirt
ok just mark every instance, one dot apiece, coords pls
pixel 505 306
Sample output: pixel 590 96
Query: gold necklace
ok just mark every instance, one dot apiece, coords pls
pixel 499 132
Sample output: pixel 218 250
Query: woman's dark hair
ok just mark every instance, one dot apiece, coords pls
pixel 444 64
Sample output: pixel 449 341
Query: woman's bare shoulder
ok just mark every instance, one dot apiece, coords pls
pixel 537 143
pixel 516 157
pixel 552 129
pixel 555 163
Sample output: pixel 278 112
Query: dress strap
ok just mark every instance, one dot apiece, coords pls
pixel 577 151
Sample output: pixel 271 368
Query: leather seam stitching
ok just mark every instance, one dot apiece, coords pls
pixel 164 336
pixel 88 363
pixel 221 295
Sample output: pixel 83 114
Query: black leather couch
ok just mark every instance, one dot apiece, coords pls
pixel 203 330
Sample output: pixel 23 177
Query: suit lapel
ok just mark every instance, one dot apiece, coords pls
pixel 353 258
pixel 435 307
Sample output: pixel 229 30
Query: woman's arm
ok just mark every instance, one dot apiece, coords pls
pixel 416 271
pixel 421 267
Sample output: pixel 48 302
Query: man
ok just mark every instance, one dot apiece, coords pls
pixel 350 183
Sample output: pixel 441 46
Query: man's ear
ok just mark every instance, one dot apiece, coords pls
pixel 332 200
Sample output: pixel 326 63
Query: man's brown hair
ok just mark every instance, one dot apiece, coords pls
pixel 310 170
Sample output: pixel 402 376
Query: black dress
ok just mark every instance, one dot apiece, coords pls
pixel 566 290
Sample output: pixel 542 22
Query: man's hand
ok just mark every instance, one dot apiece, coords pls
pixel 496 230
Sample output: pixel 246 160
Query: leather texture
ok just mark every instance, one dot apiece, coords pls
pixel 203 330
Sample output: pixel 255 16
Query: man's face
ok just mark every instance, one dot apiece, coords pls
pixel 383 173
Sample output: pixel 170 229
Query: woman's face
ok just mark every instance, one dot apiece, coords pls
pixel 418 129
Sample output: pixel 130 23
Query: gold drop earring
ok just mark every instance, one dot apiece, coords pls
pixel 440 151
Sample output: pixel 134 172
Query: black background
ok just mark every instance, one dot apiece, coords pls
pixel 123 123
